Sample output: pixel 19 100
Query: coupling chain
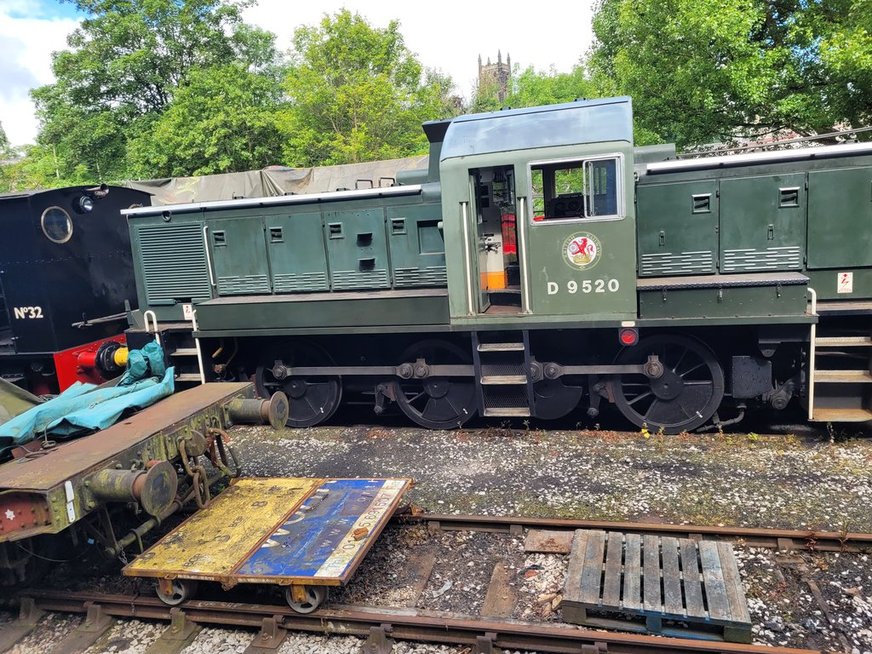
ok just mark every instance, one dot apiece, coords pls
pixel 221 454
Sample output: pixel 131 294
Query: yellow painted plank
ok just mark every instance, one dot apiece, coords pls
pixel 214 540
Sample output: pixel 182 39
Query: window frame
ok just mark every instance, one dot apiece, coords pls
pixel 583 162
pixel 70 223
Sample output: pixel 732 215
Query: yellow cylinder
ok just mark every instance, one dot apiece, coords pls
pixel 120 357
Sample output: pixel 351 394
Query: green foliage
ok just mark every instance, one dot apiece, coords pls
pixel 713 69
pixel 5 148
pixel 126 63
pixel 486 97
pixel 224 119
pixel 356 93
pixel 531 88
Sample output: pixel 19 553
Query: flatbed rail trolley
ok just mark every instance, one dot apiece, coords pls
pixel 300 534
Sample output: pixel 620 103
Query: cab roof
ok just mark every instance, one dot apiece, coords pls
pixel 571 123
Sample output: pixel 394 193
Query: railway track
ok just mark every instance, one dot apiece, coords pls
pixel 782 539
pixel 382 626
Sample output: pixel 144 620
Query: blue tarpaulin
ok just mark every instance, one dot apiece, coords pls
pixel 83 408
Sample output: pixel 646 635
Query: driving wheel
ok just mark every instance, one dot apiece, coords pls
pixel 311 400
pixel 684 397
pixel 436 402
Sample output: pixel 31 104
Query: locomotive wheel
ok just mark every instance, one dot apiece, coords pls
pixel 436 402
pixel 180 590
pixel 683 398
pixel 553 399
pixel 315 596
pixel 311 400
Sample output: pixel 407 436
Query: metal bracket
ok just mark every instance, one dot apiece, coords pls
pixel 272 633
pixel 180 627
pixel 596 648
pixel 379 642
pixel 485 644
pixel 95 620
pixel 28 614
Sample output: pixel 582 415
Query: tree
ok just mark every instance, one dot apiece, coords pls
pixel 5 148
pixel 356 93
pixel 224 119
pixel 846 53
pixel 126 63
pixel 531 89
pixel 716 69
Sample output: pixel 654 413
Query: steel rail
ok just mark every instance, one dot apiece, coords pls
pixel 785 539
pixel 401 624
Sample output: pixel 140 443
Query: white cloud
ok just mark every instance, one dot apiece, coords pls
pixel 26 44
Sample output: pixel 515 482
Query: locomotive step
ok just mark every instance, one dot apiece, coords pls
pixel 843 341
pixel 842 415
pixel 844 376
pixel 188 377
pixel 500 347
pixel 503 380
pixel 507 412
pixel 184 352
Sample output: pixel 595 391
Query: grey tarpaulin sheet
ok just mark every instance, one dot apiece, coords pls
pixel 275 180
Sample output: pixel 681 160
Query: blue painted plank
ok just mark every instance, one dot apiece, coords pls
pixel 329 534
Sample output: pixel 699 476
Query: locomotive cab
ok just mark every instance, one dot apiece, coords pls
pixel 65 274
pixel 537 205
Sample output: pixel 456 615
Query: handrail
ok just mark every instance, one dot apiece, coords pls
pixel 811 354
pixel 467 267
pixel 208 256
pixel 521 226
pixel 145 316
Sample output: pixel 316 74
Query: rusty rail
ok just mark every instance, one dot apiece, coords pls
pixel 379 624
pixel 783 539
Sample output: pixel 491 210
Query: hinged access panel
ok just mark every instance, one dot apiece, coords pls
pixel 356 249
pixel 678 228
pixel 762 223
pixel 239 256
pixel 298 259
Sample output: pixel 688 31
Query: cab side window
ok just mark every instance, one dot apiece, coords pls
pixel 576 190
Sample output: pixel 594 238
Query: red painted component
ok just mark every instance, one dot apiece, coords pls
pixel 510 245
pixel 78 363
pixel 21 512
pixel 87 359
pixel 628 336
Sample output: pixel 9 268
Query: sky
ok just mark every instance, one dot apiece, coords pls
pixel 448 35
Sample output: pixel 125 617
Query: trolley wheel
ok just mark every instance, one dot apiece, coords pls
pixel 175 591
pixel 315 596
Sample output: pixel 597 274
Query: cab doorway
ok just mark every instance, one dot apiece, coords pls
pixel 495 210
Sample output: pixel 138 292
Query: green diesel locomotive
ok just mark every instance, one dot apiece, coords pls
pixel 539 266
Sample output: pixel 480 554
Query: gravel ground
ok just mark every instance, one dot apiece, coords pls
pixel 738 479
pixel 749 480
pixel 52 629
pixel 800 600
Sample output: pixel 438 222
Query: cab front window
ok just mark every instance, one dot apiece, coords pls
pixel 582 189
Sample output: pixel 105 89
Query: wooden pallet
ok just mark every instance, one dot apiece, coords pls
pixel 668 586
